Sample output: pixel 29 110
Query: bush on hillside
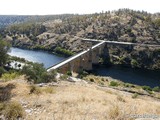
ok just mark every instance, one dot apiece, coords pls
pixel 12 110
pixel 156 89
pixel 147 88
pixel 134 63
pixel 69 73
pixel 9 76
pixel 35 89
pixel 65 52
pixel 2 70
pixel 37 73
pixel 113 83
pixel 157 22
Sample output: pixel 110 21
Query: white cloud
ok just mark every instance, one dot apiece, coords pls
pixel 74 6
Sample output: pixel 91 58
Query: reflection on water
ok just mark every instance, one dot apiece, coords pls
pixel 46 58
pixel 129 75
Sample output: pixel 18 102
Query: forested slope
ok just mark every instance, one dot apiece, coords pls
pixel 62 34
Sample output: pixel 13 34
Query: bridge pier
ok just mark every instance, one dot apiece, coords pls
pixel 63 69
pixel 81 61
pixel 87 61
pixel 95 56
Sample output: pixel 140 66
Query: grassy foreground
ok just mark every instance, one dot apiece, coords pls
pixel 71 101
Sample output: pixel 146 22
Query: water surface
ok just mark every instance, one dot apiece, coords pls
pixel 46 58
pixel 129 75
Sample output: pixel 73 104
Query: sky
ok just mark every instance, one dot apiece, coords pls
pixel 50 7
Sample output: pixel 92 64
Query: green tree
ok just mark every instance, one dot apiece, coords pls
pixel 157 22
pixel 37 73
pixel 34 72
pixel 134 63
pixel 4 48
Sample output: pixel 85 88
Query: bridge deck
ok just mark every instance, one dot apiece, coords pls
pixel 73 57
pixel 121 43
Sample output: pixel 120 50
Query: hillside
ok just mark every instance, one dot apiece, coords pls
pixel 121 25
pixel 62 35
pixel 6 20
pixel 73 100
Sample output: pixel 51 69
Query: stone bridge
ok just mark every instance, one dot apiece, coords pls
pixel 84 60
pixel 81 61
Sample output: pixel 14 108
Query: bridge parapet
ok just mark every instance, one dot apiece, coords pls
pixel 80 61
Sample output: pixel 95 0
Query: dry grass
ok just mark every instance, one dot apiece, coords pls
pixel 120 98
pixel 35 90
pixel 12 110
pixel 50 90
pixel 39 90
pixel 97 79
pixel 5 91
pixel 114 112
pixel 81 101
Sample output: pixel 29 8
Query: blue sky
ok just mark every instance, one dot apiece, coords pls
pixel 44 7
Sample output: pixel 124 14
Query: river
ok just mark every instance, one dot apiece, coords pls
pixel 48 59
pixel 128 75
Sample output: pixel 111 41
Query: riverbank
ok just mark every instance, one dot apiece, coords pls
pixel 107 81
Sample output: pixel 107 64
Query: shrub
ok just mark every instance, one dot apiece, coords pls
pixel 9 76
pixel 122 59
pixel 2 107
pixel 63 51
pixel 50 90
pixel 69 73
pixel 147 88
pixel 126 85
pixel 91 79
pixel 14 58
pixel 37 73
pixel 100 83
pixel 156 89
pixel 4 48
pixel 5 92
pixel 34 89
pixel 157 22
pixel 113 83
pixel 48 77
pixel 2 70
pixel 64 77
pixel 102 79
pixel 120 98
pixel 134 63
pixel 13 111
pixel 82 74
pixel 135 95
pixel 114 112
